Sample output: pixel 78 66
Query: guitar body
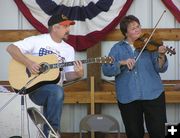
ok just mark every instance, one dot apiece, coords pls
pixel 19 74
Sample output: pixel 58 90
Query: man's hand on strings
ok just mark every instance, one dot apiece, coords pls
pixel 78 68
pixel 33 67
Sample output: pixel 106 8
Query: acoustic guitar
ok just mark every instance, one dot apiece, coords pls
pixel 19 75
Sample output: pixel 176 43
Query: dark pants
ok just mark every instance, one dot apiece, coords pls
pixel 154 113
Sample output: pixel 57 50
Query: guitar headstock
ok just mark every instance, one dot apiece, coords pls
pixel 104 60
pixel 171 51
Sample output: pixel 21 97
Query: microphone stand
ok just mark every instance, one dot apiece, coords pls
pixel 22 92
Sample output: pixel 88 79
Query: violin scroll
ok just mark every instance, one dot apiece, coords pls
pixel 171 51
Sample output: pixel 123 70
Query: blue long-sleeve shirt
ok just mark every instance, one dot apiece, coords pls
pixel 141 83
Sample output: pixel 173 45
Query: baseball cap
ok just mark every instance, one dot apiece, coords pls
pixel 59 19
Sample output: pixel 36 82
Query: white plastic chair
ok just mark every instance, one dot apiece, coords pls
pixel 99 123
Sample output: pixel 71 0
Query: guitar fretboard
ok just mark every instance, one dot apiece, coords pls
pixel 65 64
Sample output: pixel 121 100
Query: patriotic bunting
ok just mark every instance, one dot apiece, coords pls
pixel 174 7
pixel 94 18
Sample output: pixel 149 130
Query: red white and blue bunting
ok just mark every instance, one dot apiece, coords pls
pixel 94 18
pixel 174 7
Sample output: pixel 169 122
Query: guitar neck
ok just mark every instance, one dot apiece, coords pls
pixel 71 63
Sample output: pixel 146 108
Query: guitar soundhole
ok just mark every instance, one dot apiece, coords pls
pixel 44 68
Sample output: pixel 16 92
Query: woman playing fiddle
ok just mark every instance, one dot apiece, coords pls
pixel 139 90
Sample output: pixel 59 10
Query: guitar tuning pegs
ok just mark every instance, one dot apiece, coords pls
pixel 100 59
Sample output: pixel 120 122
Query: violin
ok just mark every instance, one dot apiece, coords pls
pixel 152 45
pixel 146 40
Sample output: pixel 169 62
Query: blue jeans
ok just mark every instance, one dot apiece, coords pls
pixel 51 97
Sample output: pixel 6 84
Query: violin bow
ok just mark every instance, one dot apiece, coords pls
pixel 149 37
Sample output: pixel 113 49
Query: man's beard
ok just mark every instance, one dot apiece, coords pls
pixel 66 35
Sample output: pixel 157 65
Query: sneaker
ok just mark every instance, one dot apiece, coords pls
pixel 58 134
pixel 51 135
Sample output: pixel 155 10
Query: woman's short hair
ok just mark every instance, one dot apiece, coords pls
pixel 126 20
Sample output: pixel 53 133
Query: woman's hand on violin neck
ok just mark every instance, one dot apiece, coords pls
pixel 162 50
pixel 162 58
pixel 129 62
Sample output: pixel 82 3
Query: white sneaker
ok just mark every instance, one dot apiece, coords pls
pixel 58 135
pixel 51 135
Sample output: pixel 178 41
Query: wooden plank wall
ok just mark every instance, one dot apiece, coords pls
pixel 78 93
pixel 167 34
pixel 104 91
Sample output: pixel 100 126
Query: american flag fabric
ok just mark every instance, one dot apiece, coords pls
pixel 94 18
